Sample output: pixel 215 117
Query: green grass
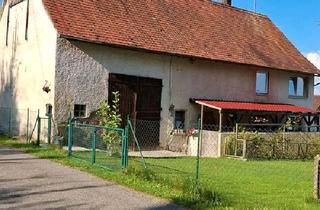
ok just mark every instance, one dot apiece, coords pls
pixel 225 183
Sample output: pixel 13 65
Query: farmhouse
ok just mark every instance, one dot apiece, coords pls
pixel 172 62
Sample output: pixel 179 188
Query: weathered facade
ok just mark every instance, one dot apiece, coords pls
pixel 34 52
pixel 80 64
pixel 27 59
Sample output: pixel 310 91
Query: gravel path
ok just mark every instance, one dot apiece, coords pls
pixel 27 182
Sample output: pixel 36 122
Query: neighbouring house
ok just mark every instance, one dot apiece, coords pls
pixel 172 62
pixel 316 102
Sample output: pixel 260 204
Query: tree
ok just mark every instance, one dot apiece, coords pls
pixel 111 119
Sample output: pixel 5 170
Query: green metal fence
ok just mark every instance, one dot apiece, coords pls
pixel 16 122
pixel 172 167
pixel 100 145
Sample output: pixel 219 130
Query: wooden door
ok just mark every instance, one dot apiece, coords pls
pixel 127 97
pixel 140 98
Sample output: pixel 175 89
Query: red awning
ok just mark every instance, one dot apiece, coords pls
pixel 229 105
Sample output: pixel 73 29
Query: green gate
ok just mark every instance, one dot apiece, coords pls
pixel 103 146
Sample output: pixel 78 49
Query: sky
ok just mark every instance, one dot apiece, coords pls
pixel 299 20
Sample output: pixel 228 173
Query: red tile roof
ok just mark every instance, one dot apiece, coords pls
pixel 316 102
pixel 192 28
pixel 230 105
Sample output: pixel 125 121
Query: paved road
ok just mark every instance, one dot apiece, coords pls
pixel 27 182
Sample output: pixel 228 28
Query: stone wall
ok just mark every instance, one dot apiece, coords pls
pixel 80 79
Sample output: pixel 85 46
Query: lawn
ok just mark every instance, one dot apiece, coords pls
pixel 252 184
pixel 234 184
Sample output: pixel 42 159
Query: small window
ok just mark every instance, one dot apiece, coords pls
pixel 262 82
pixel 297 86
pixel 179 118
pixel 79 110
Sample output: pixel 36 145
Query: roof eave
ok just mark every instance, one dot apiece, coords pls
pixel 314 71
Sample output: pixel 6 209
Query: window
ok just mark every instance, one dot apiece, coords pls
pixel 297 86
pixel 179 117
pixel 262 82
pixel 79 110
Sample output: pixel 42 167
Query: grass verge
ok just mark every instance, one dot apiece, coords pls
pixel 183 193
pixel 224 183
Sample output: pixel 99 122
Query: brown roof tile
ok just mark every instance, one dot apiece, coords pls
pixel 195 28
pixel 316 102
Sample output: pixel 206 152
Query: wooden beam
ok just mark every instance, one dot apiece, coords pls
pixel 220 120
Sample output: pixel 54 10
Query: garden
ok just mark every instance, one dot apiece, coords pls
pixel 224 183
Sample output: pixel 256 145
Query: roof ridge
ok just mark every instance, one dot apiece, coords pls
pixel 238 9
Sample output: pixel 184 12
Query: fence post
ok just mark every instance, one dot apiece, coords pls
pixel 49 128
pixel 244 148
pixel 136 141
pixel 127 147
pixel 316 178
pixel 198 151
pixel 10 113
pixel 94 139
pixel 126 130
pixel 28 118
pixel 39 128
pixel 235 142
pixel 123 147
pixel 69 137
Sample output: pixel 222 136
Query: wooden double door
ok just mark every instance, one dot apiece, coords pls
pixel 140 98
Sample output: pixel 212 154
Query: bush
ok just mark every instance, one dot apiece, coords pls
pixel 109 117
pixel 274 146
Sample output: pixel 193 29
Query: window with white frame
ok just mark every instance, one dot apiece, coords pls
pixel 262 82
pixel 296 86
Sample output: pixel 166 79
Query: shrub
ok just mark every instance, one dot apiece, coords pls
pixel 275 145
pixel 109 117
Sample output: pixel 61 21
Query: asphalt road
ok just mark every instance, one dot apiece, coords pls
pixel 27 182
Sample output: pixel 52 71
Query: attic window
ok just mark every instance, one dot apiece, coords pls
pixel 297 86
pixel 261 82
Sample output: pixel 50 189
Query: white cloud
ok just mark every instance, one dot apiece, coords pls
pixel 314 57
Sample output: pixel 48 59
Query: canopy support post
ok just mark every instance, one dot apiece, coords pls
pixel 200 134
pixel 220 120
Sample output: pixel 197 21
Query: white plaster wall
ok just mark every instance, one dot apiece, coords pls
pixel 182 79
pixel 216 80
pixel 25 65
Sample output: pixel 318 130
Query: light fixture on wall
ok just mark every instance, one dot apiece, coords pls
pixel 46 87
pixel 171 110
